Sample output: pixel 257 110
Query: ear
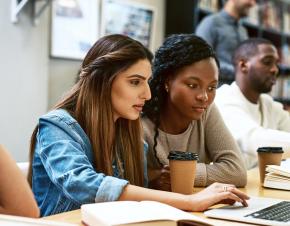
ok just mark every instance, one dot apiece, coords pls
pixel 244 66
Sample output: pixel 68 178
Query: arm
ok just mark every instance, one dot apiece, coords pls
pixel 200 201
pixel 82 183
pixel 282 116
pixel 67 159
pixel 16 197
pixel 228 165
pixel 250 135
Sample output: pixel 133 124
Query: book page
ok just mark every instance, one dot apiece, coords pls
pixel 285 163
pixel 169 212
pixel 277 184
pixel 8 220
pixel 280 170
pixel 125 212
pixel 277 177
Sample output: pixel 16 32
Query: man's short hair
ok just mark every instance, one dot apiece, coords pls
pixel 248 48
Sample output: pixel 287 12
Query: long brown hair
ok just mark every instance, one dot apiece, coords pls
pixel 89 102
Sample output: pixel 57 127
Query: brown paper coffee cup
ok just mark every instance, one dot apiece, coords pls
pixel 268 156
pixel 182 171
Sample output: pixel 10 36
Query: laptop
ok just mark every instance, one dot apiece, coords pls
pixel 264 211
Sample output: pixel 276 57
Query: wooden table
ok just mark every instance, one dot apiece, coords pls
pixel 253 188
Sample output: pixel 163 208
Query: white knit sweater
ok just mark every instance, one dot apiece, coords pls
pixel 253 125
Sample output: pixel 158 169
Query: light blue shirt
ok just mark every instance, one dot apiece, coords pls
pixel 223 33
pixel 63 174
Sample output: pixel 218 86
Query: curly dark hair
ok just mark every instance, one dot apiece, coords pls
pixel 177 51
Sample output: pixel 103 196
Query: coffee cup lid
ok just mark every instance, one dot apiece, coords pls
pixel 270 150
pixel 181 155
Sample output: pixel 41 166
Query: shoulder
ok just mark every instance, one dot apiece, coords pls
pixel 269 102
pixel 210 20
pixel 58 115
pixel 225 89
pixel 213 18
pixel 60 124
pixel 212 111
pixel 223 93
pixel 210 114
pixel 148 126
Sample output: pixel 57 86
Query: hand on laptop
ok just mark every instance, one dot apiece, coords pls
pixel 219 193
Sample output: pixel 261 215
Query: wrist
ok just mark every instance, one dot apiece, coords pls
pixel 189 202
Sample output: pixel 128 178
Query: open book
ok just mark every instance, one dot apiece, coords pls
pixel 9 220
pixel 278 176
pixel 133 213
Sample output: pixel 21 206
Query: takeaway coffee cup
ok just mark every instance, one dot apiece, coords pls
pixel 268 156
pixel 182 171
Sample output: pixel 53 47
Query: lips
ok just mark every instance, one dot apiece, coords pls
pixel 199 109
pixel 138 107
pixel 272 80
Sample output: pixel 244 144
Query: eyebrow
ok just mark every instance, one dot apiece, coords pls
pixel 195 78
pixel 269 56
pixel 138 76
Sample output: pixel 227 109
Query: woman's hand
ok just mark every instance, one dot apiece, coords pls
pixel 162 180
pixel 217 193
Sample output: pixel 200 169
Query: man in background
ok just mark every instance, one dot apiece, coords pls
pixel 223 31
pixel 253 117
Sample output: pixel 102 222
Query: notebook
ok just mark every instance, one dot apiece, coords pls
pixel 264 211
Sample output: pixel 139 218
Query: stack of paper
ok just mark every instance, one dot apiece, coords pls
pixel 278 176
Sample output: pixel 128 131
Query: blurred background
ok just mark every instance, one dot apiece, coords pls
pixel 42 43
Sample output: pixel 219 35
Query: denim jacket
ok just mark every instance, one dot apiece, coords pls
pixel 63 174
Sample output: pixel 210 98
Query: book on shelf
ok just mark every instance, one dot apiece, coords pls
pixel 9 220
pixel 281 90
pixel 286 18
pixel 137 213
pixel 285 53
pixel 271 15
pixel 286 88
pixel 278 176
pixel 209 5
pixel 253 17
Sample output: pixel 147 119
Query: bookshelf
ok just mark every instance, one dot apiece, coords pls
pixel 269 19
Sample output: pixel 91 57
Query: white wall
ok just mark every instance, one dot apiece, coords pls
pixel 23 78
pixel 63 72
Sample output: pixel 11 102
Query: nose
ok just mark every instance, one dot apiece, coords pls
pixel 202 96
pixel 146 93
pixel 275 69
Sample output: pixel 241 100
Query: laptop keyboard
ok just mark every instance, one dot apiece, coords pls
pixel 278 212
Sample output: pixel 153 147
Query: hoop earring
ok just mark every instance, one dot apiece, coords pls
pixel 166 88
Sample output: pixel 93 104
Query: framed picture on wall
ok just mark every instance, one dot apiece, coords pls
pixel 129 18
pixel 74 27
